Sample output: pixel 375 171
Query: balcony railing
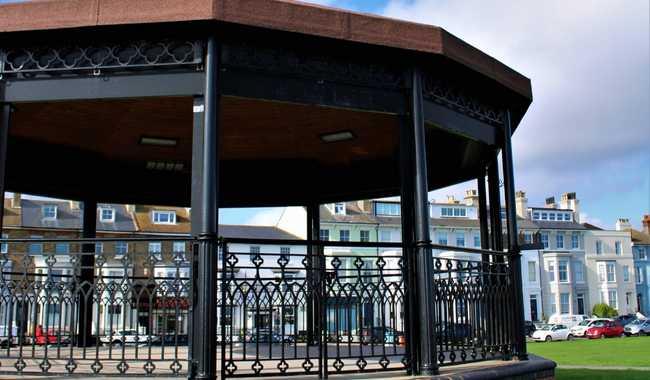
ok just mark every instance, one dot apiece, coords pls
pixel 122 306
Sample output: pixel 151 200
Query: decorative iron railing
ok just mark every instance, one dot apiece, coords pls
pixel 285 307
pixel 95 306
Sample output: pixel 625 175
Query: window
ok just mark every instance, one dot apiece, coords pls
pixel 528 237
pixel 551 216
pixel 611 272
pixel 442 238
pixel 639 275
pixel 4 248
pixel 453 212
pixel 178 247
pixel 559 240
pixel 601 272
pixel 575 241
pixel 532 271
pixel 325 235
pixel 617 247
pixel 364 236
pixel 642 255
pixel 460 239
pixel 62 248
pixel 627 298
pixel 121 248
pixel 613 301
pixel 106 215
pixel 563 271
pixel 536 215
pixel 626 273
pixel 544 216
pixel 164 217
pixel 564 303
pixel 567 217
pixel 389 209
pixel 339 208
pixel 602 297
pixel 578 271
pixel 545 239
pixel 35 248
pixel 385 236
pixel 155 250
pixel 254 251
pixel 50 212
pixel 551 271
pixel 599 247
pixel 99 247
pixel 477 240
pixel 553 304
pixel 285 250
pixel 344 235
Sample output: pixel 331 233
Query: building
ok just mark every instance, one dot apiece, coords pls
pixel 641 251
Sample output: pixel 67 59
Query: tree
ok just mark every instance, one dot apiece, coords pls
pixel 603 310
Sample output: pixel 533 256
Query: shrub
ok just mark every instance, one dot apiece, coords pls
pixel 603 310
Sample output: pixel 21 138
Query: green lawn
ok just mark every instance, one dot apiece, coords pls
pixel 620 352
pixel 586 374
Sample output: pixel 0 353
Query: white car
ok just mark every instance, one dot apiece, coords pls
pixel 547 333
pixel 581 328
pixel 638 327
pixel 568 320
pixel 129 337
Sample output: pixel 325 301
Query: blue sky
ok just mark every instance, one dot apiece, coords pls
pixel 588 129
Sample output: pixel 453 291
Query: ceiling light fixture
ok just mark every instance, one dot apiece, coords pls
pixel 337 136
pixel 158 141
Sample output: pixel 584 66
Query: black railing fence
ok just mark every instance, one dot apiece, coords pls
pixel 285 307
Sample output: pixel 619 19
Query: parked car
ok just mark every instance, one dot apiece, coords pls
pixel 603 329
pixel 50 336
pixel 129 337
pixel 380 335
pixel 551 332
pixel 625 319
pixel 272 338
pixel 8 337
pixel 568 320
pixel 638 327
pixel 580 330
pixel 529 328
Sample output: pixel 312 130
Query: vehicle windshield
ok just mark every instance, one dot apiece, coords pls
pixel 584 323
pixel 545 327
pixel 636 322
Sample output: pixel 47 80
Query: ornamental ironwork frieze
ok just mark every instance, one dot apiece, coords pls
pixel 456 98
pixel 121 57
pixel 310 64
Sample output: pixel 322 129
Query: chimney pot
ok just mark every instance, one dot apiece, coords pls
pixel 646 224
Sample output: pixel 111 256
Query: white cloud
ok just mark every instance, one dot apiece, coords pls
pixel 265 218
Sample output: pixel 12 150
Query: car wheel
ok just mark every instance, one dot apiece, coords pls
pixel 602 336
pixel 622 335
pixel 548 338
pixel 569 337
pixel 117 342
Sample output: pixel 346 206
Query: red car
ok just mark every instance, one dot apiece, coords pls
pixel 602 329
pixel 50 338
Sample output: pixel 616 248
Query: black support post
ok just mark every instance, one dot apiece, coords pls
pixel 205 174
pixel 313 274
pixel 513 243
pixel 5 120
pixel 417 207
pixel 496 227
pixel 87 275
pixel 483 215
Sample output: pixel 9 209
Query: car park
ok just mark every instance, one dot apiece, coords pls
pixel 580 330
pixel 638 327
pixel 550 332
pixel 605 329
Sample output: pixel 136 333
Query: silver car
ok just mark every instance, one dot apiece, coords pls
pixel 638 327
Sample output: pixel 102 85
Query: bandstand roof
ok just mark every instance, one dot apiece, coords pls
pixel 292 73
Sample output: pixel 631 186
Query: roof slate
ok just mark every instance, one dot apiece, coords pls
pixel 69 218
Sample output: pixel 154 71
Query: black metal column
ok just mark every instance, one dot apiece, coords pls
pixel 313 274
pixel 483 215
pixel 514 254
pixel 87 275
pixel 205 174
pixel 422 259
pixel 496 227
pixel 5 120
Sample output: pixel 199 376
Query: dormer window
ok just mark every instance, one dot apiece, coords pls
pixel 106 215
pixel 163 217
pixel 50 212
pixel 387 209
pixel 339 208
pixel 457 212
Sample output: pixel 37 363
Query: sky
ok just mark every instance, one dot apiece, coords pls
pixel 588 128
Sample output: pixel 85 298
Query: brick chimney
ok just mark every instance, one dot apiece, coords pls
pixel 521 203
pixel 623 224
pixel 570 201
pixel 16 200
pixel 471 197
pixel 451 200
pixel 646 224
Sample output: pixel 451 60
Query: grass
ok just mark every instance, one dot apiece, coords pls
pixel 589 374
pixel 619 352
